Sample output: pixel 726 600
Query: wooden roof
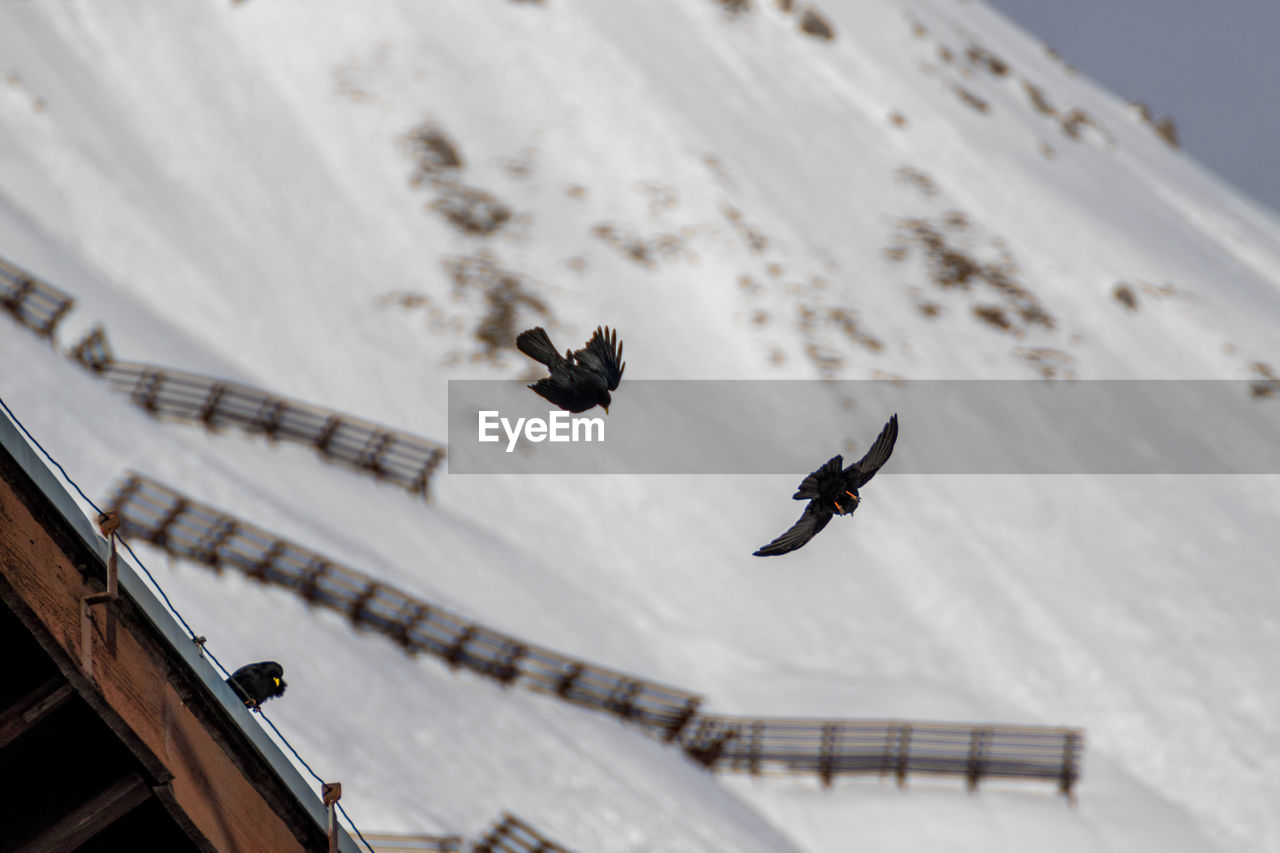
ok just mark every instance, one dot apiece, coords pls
pixel 115 732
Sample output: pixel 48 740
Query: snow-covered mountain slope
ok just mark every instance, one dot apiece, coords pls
pixel 263 191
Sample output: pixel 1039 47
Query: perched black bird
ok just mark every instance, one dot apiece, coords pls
pixel 255 683
pixel 578 380
pixel 832 490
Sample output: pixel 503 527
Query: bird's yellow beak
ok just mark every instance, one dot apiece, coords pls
pixel 606 409
pixel 277 681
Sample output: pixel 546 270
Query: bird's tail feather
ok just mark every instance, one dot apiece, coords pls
pixel 537 345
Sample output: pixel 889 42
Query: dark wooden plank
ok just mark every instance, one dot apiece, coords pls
pixel 28 711
pixel 85 821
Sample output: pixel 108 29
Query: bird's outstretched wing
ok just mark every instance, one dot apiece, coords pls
pixel 815 518
pixel 604 353
pixel 866 467
pixel 811 486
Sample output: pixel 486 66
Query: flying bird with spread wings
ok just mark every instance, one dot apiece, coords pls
pixel 579 380
pixel 833 490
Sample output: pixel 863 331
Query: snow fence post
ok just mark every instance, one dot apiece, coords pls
pixel 1070 772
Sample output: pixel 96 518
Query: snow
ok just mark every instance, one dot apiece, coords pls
pixel 227 188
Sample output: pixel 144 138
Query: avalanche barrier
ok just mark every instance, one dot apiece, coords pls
pixel 31 302
pixel 809 747
pixel 159 515
pixel 886 748
pixel 387 454
pixel 509 834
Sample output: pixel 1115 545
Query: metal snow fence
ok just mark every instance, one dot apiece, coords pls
pixel 31 302
pixel 822 748
pixel 828 748
pixel 187 529
pixel 387 454
pixel 512 835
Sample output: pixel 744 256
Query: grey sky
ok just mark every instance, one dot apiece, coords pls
pixel 1213 67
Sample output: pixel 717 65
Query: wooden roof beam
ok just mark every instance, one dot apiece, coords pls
pixel 92 816
pixel 23 714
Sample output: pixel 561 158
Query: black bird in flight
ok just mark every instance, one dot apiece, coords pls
pixel 255 683
pixel 578 380
pixel 832 490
